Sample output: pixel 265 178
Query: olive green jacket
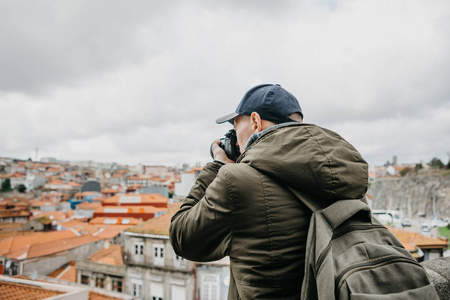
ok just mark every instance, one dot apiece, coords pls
pixel 249 211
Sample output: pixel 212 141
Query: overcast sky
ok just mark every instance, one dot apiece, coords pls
pixel 143 81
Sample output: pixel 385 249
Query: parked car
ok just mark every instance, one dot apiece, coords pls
pixel 406 222
pixel 425 229
pixel 441 223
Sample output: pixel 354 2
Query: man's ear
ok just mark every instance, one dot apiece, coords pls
pixel 256 121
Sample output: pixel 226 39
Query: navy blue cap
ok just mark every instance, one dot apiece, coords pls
pixel 270 101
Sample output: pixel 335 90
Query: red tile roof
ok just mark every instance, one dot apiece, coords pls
pixel 137 199
pixel 44 249
pixel 159 225
pixel 113 255
pixel 13 244
pixel 52 215
pixel 81 227
pixel 16 291
pixel 89 205
pixel 412 239
pixel 67 272
pixel 130 209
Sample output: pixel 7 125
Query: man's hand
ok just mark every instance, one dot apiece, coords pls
pixel 219 153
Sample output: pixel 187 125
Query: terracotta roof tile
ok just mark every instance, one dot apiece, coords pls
pixel 15 291
pixel 89 205
pixel 159 225
pixel 52 215
pixel 110 232
pixel 97 296
pixel 92 295
pixel 67 272
pixel 109 256
pixel 53 247
pixel 16 243
pixel 81 227
pixel 413 239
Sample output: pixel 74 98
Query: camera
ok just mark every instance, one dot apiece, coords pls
pixel 229 145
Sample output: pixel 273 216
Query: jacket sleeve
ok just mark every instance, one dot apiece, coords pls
pixel 201 229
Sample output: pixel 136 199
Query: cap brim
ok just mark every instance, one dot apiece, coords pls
pixel 227 118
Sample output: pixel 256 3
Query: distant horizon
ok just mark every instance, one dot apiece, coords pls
pixel 399 163
pixel 144 83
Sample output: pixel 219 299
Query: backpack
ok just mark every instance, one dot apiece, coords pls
pixel 351 255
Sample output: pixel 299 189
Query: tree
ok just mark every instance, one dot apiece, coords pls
pixel 6 185
pixel 448 164
pixel 21 188
pixel 418 167
pixel 436 163
pixel 405 171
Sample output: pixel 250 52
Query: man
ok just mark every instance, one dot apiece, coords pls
pixel 250 210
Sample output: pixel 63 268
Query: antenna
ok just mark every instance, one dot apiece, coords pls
pixel 37 150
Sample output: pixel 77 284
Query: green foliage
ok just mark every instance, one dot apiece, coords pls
pixel 418 167
pixel 6 185
pixel 448 165
pixel 406 171
pixel 445 232
pixel 436 163
pixel 21 188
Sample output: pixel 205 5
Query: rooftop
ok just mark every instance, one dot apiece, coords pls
pixel 15 243
pixel 130 209
pixel 114 221
pixel 411 240
pixel 113 255
pixel 144 199
pixel 67 272
pixel 53 247
pixel 17 291
pixel 159 225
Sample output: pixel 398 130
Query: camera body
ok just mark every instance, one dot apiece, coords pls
pixel 229 145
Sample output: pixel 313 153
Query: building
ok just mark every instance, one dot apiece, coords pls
pixel 154 271
pixel 155 200
pixel 125 212
pixel 43 251
pixel 86 209
pixel 103 269
pixel 18 288
pixel 187 180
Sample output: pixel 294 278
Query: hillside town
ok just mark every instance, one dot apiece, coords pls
pixel 101 231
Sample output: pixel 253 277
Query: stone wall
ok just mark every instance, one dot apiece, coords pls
pixel 439 273
pixel 412 194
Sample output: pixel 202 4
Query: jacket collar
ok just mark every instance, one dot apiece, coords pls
pixel 257 135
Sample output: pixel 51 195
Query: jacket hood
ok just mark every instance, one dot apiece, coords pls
pixel 311 160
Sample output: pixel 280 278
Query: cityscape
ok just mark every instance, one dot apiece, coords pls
pixel 111 110
pixel 103 229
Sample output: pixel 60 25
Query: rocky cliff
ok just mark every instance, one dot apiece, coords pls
pixel 413 194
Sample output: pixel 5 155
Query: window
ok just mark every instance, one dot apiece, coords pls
pixel 156 290
pixel 137 288
pixel 139 248
pixel 210 286
pixel 85 279
pixel 158 255
pixel 117 285
pixel 178 261
pixel 100 282
pixel 177 292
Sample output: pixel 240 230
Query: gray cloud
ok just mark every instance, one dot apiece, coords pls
pixel 144 82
